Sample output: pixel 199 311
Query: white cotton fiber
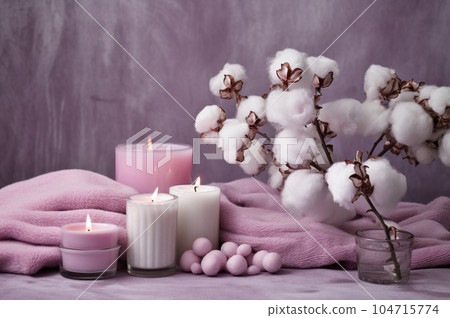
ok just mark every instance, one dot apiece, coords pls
pixel 444 149
pixel 306 193
pixel 322 65
pixel 256 157
pixel 341 187
pixel 371 118
pixel 275 176
pixel 255 104
pixel 290 109
pixel 410 124
pixel 286 146
pixel 440 99
pixel 339 115
pixel 297 147
pixel 235 70
pixel 295 59
pixel 376 78
pixel 232 137
pixel 389 185
pixel 210 137
pixel 406 96
pixel 423 153
pixel 208 118
pixel 425 91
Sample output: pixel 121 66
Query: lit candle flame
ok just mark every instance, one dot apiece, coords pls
pixel 197 184
pixel 149 143
pixel 155 195
pixel 88 224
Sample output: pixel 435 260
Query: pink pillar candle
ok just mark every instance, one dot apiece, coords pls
pixel 144 169
pixel 102 236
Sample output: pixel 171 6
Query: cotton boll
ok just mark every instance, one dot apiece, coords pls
pixel 407 96
pixel 295 59
pixel 410 124
pixel 296 147
pixel 286 146
pixel 339 114
pixel 389 185
pixel 294 108
pixel 423 153
pixel 425 91
pixel 235 70
pixel 255 104
pixel 340 185
pixel 209 118
pixel 371 118
pixel 232 137
pixel 444 149
pixel 210 137
pixel 256 157
pixel 275 177
pixel 376 78
pixel 440 99
pixel 322 65
pixel 306 193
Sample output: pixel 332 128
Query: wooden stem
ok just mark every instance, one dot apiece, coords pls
pixel 375 144
pixel 388 237
pixel 322 141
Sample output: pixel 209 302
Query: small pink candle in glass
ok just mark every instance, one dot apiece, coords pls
pixel 145 166
pixel 89 250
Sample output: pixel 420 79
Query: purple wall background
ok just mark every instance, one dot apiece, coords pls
pixel 69 94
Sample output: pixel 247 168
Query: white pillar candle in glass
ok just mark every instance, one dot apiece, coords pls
pixel 198 214
pixel 151 234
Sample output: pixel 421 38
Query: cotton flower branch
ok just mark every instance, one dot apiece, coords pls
pixel 406 117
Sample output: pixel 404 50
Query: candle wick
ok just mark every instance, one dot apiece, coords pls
pixel 195 188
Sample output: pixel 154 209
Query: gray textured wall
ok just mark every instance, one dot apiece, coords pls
pixel 69 94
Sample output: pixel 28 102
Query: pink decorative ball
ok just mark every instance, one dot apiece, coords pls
pixel 201 246
pixel 211 264
pixel 253 270
pixel 229 249
pixel 196 269
pixel 272 262
pixel 244 250
pixel 222 257
pixel 187 259
pixel 258 258
pixel 249 259
pixel 237 265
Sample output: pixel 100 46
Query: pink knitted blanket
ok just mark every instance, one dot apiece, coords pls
pixel 251 213
pixel 32 212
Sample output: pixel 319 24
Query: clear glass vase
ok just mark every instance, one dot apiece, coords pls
pixel 375 259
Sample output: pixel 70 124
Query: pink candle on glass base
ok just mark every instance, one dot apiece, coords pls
pixel 145 166
pixel 89 250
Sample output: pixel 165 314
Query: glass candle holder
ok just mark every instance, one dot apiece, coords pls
pixel 88 264
pixel 151 234
pixel 374 258
pixel 89 254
